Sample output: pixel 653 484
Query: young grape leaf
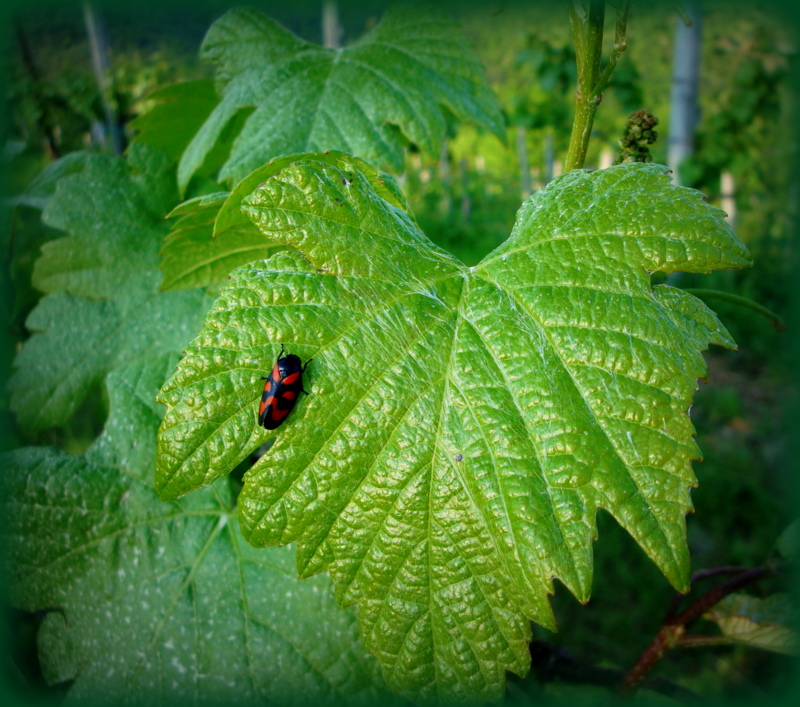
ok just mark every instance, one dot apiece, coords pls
pixel 154 602
pixel 194 256
pixel 464 425
pixel 103 306
pixel 759 623
pixel 212 236
pixel 413 64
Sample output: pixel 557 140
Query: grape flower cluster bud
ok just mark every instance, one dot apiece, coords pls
pixel 638 134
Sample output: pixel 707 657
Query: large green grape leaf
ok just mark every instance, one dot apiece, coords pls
pixel 160 603
pixel 103 307
pixel 464 425
pixel 413 64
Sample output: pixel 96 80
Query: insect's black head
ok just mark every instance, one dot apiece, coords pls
pixel 290 364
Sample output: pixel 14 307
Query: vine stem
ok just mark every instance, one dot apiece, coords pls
pixel 587 32
pixel 673 630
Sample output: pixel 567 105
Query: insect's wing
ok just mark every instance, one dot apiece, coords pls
pixel 285 397
pixel 280 392
pixel 271 387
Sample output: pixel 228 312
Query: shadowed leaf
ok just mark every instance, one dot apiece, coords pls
pixel 151 602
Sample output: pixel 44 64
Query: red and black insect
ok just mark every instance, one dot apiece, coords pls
pixel 283 386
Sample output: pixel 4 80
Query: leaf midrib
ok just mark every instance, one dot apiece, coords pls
pixel 531 437
pixel 375 381
pixel 372 315
pixel 597 419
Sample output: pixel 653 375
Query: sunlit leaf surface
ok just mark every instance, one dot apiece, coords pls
pixel 464 425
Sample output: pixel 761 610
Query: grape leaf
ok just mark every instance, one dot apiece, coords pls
pixel 212 237
pixel 756 622
pixel 464 424
pixel 154 602
pixel 403 73
pixel 43 186
pixel 103 306
pixel 194 256
pixel 179 111
pixel 113 210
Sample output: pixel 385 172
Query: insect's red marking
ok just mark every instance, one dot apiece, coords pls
pixel 277 413
pixel 281 390
pixel 265 404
